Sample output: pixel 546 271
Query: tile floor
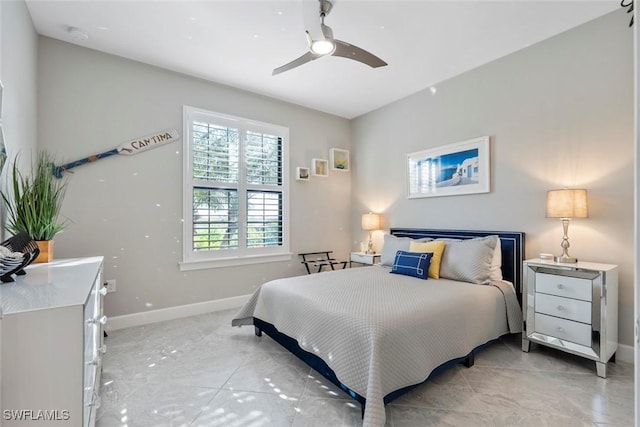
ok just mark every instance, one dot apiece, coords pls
pixel 199 371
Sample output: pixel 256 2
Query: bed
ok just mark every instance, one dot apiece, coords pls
pixel 377 335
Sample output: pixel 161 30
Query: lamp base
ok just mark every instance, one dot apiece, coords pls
pixel 565 259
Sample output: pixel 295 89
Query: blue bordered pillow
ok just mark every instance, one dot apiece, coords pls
pixel 414 264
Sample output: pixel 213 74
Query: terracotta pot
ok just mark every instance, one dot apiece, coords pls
pixel 46 251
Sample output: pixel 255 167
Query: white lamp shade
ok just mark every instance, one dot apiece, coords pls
pixel 370 221
pixel 567 203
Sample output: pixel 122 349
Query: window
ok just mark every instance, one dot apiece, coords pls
pixel 235 190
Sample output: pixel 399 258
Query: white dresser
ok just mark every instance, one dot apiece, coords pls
pixel 572 307
pixel 52 344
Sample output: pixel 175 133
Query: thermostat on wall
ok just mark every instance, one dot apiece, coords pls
pixel 547 257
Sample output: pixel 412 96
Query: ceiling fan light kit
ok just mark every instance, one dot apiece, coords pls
pixel 329 46
pixel 322 47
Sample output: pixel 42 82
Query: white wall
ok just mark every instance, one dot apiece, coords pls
pixel 129 208
pixel 559 113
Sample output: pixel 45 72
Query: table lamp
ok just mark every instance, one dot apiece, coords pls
pixel 370 222
pixel 566 204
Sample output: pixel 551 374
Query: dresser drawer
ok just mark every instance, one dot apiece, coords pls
pixel 564 286
pixel 566 308
pixel 579 333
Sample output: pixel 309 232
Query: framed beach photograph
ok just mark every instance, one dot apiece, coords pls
pixel 302 174
pixel 320 167
pixel 339 159
pixel 449 170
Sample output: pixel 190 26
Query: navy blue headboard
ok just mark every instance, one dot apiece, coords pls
pixel 512 244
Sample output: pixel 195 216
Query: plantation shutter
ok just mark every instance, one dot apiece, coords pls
pixel 238 188
pixel 264 194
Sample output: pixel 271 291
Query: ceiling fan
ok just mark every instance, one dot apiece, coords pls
pixel 329 46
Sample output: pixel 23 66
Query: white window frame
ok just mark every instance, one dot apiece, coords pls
pixel 195 260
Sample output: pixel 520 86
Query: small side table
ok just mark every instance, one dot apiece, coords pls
pixel 363 258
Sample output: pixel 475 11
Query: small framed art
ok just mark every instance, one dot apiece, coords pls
pixel 320 167
pixel 339 159
pixel 302 174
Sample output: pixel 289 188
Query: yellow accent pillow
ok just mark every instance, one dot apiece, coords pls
pixel 436 247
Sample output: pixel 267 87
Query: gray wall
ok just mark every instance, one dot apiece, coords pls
pixel 129 208
pixel 559 113
pixel 18 51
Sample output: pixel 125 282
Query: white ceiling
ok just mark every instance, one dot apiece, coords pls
pixel 239 43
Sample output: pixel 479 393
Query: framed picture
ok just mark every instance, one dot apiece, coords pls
pixel 449 170
pixel 339 159
pixel 320 167
pixel 302 174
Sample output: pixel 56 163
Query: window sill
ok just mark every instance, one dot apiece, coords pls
pixel 235 261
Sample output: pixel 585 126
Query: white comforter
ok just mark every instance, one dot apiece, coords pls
pixel 380 332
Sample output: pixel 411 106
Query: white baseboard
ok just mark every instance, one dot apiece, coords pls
pixel 625 353
pixel 170 313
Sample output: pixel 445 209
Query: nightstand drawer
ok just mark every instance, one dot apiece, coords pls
pixel 567 308
pixel 564 286
pixel 576 332
pixel 364 258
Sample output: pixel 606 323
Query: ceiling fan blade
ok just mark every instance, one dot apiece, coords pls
pixel 307 57
pixel 350 51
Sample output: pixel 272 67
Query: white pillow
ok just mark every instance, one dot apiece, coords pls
pixel 469 260
pixel 391 245
pixel 496 263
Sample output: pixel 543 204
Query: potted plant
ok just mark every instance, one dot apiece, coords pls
pixel 33 204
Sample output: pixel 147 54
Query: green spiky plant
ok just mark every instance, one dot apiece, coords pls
pixel 34 202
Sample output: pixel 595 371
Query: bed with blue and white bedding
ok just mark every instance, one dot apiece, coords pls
pixel 378 334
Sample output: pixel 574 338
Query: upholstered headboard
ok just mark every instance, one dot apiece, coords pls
pixel 512 245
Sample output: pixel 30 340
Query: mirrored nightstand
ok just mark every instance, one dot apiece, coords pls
pixel 572 307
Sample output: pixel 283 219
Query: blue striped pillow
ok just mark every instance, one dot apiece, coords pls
pixel 414 264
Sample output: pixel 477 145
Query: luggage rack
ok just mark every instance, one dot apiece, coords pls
pixel 320 260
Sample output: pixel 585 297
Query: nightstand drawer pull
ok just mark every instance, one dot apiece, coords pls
pixel 564 286
pixel 579 333
pixel 565 308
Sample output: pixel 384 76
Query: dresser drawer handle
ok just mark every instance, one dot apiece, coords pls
pixel 102 291
pixel 95 362
pixel 102 320
pixel 96 401
pixel 102 349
